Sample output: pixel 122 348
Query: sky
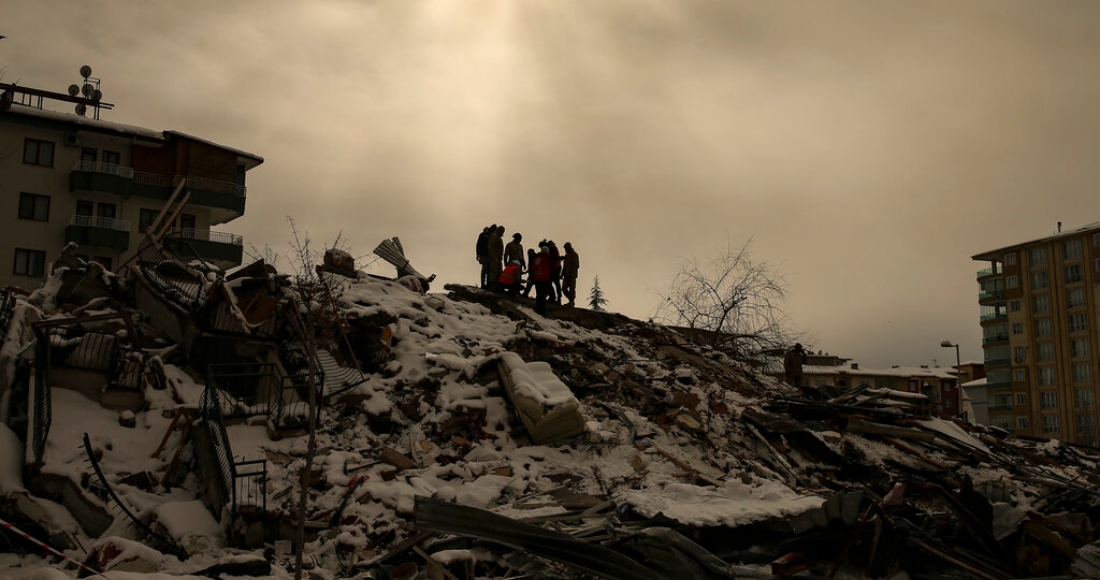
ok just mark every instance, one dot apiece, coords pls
pixel 866 149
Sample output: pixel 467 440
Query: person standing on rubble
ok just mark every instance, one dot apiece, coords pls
pixel 541 267
pixel 483 254
pixel 513 252
pixel 792 365
pixel 511 279
pixel 496 256
pixel 571 265
pixel 530 282
pixel 555 271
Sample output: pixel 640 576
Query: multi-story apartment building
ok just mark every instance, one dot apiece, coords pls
pixel 1039 318
pixel 68 178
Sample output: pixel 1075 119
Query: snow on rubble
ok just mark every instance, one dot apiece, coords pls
pixel 660 434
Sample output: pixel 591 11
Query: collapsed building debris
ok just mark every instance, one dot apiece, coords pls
pixel 461 435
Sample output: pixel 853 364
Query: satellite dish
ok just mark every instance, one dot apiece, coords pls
pixel 89 90
pixel 81 109
pixel 74 90
pixel 85 71
pixel 97 95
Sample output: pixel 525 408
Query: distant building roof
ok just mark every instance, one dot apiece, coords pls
pixel 996 254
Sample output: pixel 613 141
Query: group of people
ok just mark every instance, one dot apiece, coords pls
pixel 550 273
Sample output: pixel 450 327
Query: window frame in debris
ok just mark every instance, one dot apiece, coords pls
pixel 31 207
pixel 38 152
pixel 33 263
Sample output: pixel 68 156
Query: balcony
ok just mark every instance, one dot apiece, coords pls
pixel 217 247
pixel 119 180
pixel 996 362
pixel 999 408
pixel 990 294
pixel 996 316
pixel 995 338
pixel 87 230
pixel 988 272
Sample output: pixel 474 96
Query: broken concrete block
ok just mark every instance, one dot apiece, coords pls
pixel 397 459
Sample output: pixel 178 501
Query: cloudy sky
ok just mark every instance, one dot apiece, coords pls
pixel 868 149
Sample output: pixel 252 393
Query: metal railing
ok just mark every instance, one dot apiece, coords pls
pixel 242 481
pixel 995 338
pixel 998 408
pixel 995 362
pixel 91 221
pixel 988 272
pixel 248 389
pixel 155 179
pixel 187 291
pixel 988 317
pixel 987 294
pixel 206 235
pixel 106 168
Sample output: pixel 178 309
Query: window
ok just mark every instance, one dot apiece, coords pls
pixel 1075 298
pixel 1019 353
pixel 88 155
pixel 1045 351
pixel 1050 424
pixel 1042 327
pixel 1082 398
pixel 1021 422
pixel 1074 273
pixel 1010 259
pixel 1096 240
pixel 187 223
pixel 84 207
pixel 1019 376
pixel 111 157
pixel 1041 304
pixel 1071 249
pixel 1082 373
pixel 1038 257
pixel 1021 399
pixel 949 403
pixel 34 207
pixel 1085 423
pixel 1048 400
pixel 1078 347
pixel 106 210
pixel 1078 322
pixel 1040 280
pixel 1017 328
pixel 1015 304
pixel 145 219
pixel 1046 376
pixel 1012 282
pixel 37 152
pixel 30 262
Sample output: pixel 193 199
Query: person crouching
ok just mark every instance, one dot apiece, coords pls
pixel 511 279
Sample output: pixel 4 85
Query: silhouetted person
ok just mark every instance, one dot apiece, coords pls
pixel 541 266
pixel 571 265
pixel 496 256
pixel 792 365
pixel 483 254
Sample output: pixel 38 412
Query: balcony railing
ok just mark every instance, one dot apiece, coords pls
pixel 988 272
pixel 987 294
pixel 988 317
pixel 169 181
pixel 996 362
pixel 995 338
pixel 206 236
pixel 999 408
pixel 91 221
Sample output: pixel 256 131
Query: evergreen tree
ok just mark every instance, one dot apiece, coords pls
pixel 596 299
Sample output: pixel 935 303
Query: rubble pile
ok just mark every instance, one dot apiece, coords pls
pixel 461 435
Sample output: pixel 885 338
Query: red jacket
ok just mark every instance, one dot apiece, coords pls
pixel 510 275
pixel 540 267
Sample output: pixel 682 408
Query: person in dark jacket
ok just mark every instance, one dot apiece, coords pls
pixel 483 254
pixel 555 271
pixel 530 282
pixel 792 365
pixel 541 266
pixel 514 250
pixel 496 256
pixel 571 265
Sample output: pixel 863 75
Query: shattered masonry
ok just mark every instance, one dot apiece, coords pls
pixel 461 435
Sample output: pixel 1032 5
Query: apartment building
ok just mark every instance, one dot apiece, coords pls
pixel 1039 318
pixel 70 178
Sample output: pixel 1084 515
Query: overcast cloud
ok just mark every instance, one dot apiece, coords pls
pixel 868 148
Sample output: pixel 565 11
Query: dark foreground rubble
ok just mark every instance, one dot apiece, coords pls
pixel 159 420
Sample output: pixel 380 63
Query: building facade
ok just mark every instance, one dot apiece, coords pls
pixel 1039 318
pixel 68 178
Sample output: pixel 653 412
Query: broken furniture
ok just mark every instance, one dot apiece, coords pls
pixel 546 406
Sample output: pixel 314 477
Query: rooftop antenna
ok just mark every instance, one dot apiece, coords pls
pixel 1059 227
pixel 88 91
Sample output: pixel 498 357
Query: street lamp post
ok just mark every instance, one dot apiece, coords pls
pixel 958 366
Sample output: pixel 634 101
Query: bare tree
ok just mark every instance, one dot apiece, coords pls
pixel 735 301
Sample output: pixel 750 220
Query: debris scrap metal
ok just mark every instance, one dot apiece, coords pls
pixel 461 435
